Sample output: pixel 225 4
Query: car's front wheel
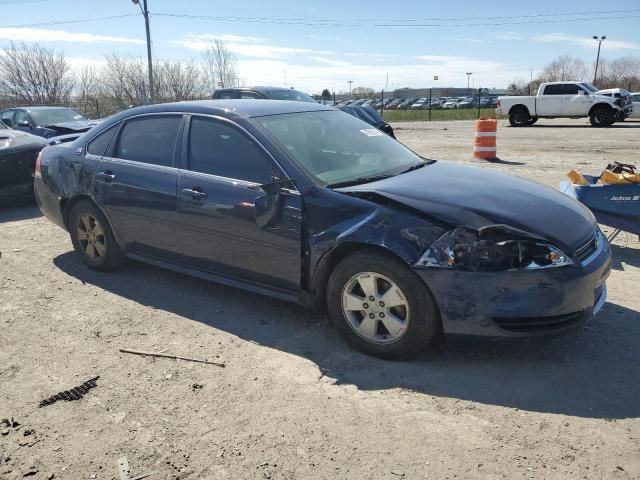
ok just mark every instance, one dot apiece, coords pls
pixel 380 307
pixel 92 237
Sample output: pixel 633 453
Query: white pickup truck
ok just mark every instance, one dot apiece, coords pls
pixel 564 99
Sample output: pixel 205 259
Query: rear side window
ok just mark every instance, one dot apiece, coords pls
pixel 635 97
pixel 99 144
pixel 554 89
pixel 149 139
pixel 7 117
pixel 226 95
pixel 219 149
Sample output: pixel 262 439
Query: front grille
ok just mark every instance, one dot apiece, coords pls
pixel 537 324
pixel 583 252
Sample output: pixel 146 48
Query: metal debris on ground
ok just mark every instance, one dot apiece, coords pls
pixel 75 393
pixel 174 357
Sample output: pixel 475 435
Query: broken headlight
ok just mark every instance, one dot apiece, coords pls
pixel 491 249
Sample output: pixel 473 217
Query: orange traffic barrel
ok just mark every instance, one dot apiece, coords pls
pixel 484 143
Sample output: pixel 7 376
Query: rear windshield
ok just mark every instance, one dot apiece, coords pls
pixel 56 115
pixel 293 95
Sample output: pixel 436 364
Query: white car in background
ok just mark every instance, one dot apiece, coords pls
pixel 635 98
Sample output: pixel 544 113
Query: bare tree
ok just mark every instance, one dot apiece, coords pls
pixel 175 81
pixel 124 79
pixel 622 72
pixel 33 74
pixel 518 86
pixel 220 66
pixel 565 68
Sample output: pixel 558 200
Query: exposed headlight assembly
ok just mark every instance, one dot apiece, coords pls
pixel 492 249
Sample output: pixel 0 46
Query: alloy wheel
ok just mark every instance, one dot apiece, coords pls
pixel 375 308
pixel 91 238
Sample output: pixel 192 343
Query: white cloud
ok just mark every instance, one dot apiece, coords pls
pixel 243 46
pixel 587 42
pixel 45 35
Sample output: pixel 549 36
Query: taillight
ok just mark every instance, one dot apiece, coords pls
pixel 38 173
pixel 498 104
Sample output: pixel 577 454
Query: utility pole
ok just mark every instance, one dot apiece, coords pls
pixel 599 40
pixel 145 11
pixel 468 78
pixel 350 82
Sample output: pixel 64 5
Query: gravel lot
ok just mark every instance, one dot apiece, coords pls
pixel 294 402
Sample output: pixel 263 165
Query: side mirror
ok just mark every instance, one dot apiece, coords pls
pixel 268 207
pixel 24 123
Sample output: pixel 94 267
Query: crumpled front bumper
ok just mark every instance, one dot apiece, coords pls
pixel 520 303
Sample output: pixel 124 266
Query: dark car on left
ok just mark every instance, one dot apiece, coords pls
pixel 18 153
pixel 46 122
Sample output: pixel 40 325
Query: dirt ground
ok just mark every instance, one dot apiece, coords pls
pixel 294 402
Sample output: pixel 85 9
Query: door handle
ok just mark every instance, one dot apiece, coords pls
pixel 105 176
pixel 195 192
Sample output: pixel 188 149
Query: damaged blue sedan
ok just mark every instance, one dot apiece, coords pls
pixel 306 203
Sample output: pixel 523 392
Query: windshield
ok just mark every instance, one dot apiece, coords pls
pixel 55 115
pixel 293 95
pixel 336 148
pixel 589 87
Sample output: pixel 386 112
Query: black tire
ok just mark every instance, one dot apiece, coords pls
pixel 601 117
pixel 108 254
pixel 532 120
pixel 519 118
pixel 422 317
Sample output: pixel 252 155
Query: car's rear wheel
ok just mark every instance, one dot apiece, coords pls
pixel 519 118
pixel 602 117
pixel 92 237
pixel 380 307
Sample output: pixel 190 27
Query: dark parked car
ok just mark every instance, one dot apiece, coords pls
pixel 371 116
pixel 368 114
pixel 303 202
pixel 45 121
pixel 265 93
pixel 18 152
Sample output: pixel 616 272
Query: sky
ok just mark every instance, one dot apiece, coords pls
pixel 312 45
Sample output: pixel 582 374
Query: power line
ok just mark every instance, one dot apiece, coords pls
pixel 64 22
pixel 335 23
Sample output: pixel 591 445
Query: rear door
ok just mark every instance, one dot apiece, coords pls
pixel 550 102
pixel 135 183
pixel 217 193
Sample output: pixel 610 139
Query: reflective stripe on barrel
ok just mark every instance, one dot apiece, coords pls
pixel 484 143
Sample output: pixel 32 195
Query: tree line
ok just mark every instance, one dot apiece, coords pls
pixel 622 72
pixel 31 74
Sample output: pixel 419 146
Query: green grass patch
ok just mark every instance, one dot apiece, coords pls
pixel 437 115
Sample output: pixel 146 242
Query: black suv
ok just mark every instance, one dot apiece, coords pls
pixel 368 114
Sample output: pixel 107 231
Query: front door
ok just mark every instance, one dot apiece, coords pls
pixel 135 183
pixel 575 101
pixel 217 194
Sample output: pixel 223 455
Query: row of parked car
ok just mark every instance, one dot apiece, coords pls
pixel 423 103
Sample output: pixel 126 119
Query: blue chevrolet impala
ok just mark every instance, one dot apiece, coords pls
pixel 306 203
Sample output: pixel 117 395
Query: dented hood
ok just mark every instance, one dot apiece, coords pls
pixel 476 197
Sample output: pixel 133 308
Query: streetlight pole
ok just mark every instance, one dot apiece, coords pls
pixel 145 11
pixel 468 77
pixel 599 40
pixel 350 82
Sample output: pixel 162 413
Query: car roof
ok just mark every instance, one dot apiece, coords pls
pixel 34 109
pixel 229 108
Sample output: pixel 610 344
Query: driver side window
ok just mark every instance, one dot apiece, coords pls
pixel 22 116
pixel 219 149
